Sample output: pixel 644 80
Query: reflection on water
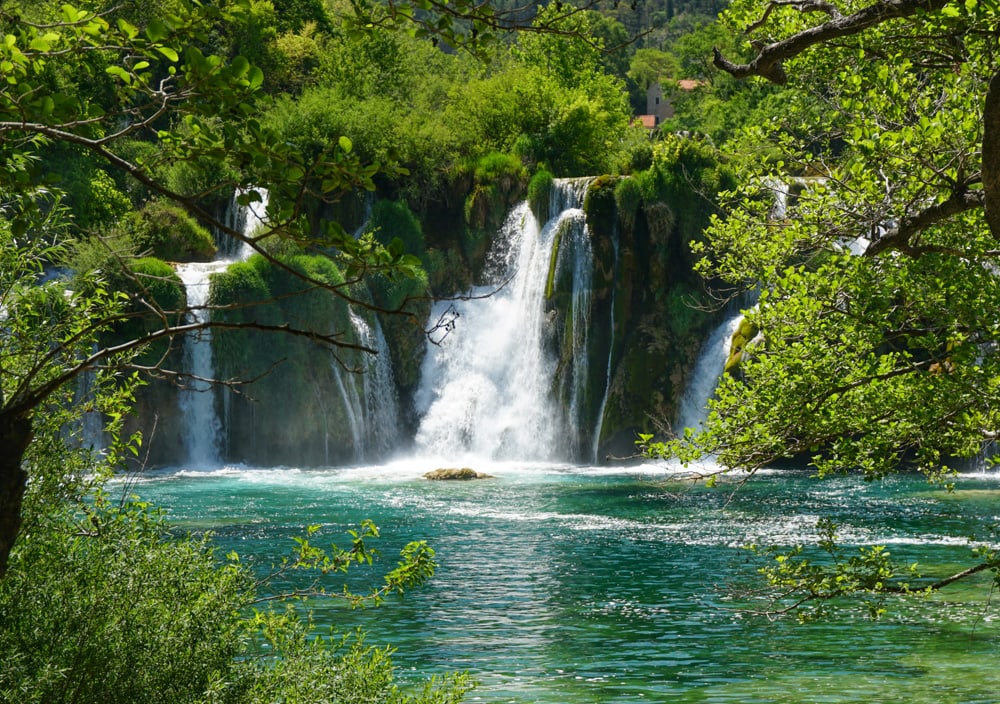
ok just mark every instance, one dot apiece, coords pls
pixel 575 584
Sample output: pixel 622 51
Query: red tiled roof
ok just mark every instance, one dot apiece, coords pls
pixel 689 83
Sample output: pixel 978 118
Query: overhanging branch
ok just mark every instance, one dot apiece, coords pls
pixel 770 57
pixel 900 237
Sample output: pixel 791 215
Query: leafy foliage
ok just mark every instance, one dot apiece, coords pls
pixel 166 231
pixel 859 218
pixel 103 604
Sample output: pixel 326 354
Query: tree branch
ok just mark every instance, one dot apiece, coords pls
pixel 768 62
pixel 898 238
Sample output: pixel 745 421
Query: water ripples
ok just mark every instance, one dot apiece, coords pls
pixel 563 584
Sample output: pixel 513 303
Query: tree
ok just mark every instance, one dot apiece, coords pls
pixel 652 65
pixel 866 221
pixel 153 83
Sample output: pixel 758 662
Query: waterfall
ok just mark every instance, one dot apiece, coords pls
pixel 203 427
pixel 91 425
pixel 705 377
pixel 380 403
pixel 486 388
pixel 197 400
pixel 573 267
pixel 368 394
pixel 351 401
pixel 245 219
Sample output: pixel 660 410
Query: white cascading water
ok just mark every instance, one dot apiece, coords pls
pixel 197 400
pixel 351 400
pixel 91 428
pixel 706 374
pixel 486 384
pixel 379 388
pixel 369 394
pixel 203 428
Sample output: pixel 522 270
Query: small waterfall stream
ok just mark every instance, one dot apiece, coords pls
pixel 368 394
pixel 203 435
pixel 378 389
pixel 577 250
pixel 705 377
pixel 197 397
pixel 599 425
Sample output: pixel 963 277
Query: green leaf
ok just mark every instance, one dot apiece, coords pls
pixel 129 29
pixel 168 52
pixel 156 30
pixel 255 78
pixel 240 66
pixel 119 72
pixel 345 144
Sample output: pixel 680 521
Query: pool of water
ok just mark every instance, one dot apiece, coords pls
pixel 578 584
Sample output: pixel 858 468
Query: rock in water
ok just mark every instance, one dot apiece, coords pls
pixel 453 473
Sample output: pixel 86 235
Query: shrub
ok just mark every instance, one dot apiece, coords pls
pixel 104 605
pixel 167 231
pixel 116 612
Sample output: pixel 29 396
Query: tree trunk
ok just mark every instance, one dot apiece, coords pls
pixel 991 156
pixel 15 436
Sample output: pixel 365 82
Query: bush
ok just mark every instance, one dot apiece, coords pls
pixel 628 198
pixel 166 231
pixel 116 612
pixel 157 280
pixel 93 196
pixel 102 605
pixel 504 170
pixel 152 286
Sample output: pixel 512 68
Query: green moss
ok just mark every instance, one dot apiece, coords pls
pixel 504 170
pixel 483 205
pixel 149 282
pixel 447 272
pixel 394 220
pixel 599 204
pixel 628 199
pixel 395 293
pixel 159 280
pixel 498 182
pixel 168 232
pixel 240 284
pixel 550 281
pixel 540 194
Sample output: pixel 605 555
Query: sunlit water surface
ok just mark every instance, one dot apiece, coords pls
pixel 574 584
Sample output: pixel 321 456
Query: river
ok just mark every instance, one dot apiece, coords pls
pixel 573 584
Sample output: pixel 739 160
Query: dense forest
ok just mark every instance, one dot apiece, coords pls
pixel 834 177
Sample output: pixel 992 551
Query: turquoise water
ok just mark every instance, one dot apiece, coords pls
pixel 574 584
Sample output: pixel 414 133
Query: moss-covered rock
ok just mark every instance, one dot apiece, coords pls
pixel 746 332
pixel 540 194
pixel 456 474
pixel 166 231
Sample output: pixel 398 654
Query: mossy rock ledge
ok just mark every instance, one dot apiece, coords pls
pixel 455 474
